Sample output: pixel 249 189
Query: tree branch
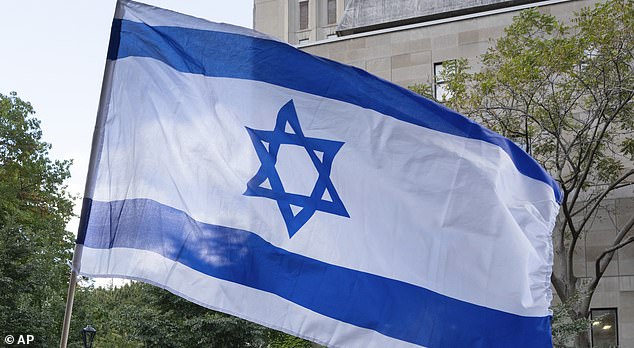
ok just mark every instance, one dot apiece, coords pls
pixel 612 187
pixel 596 147
pixel 600 198
pixel 600 266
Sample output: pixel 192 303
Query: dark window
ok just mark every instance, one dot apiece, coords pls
pixel 303 15
pixel 604 328
pixel 332 11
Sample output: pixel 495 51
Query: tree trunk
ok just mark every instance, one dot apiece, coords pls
pixel 582 340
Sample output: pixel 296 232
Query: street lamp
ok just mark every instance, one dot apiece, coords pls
pixel 87 335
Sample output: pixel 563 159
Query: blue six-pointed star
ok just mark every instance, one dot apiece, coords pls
pixel 268 157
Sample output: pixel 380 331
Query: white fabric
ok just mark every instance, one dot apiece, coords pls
pixel 262 307
pixel 429 202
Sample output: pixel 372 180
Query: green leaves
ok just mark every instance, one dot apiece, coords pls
pixel 627 147
pixel 142 315
pixel 34 210
pixel 564 328
pixel 608 169
pixel 422 89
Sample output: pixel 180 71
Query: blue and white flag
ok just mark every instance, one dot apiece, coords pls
pixel 310 196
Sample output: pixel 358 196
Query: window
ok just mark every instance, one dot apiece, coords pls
pixel 441 90
pixel 332 11
pixel 589 54
pixel 604 328
pixel 303 15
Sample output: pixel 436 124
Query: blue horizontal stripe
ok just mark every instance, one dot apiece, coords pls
pixel 393 308
pixel 221 54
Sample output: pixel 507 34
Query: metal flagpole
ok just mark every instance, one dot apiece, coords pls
pixel 72 283
pixel 95 155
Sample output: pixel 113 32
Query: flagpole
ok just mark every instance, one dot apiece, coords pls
pixel 97 141
pixel 72 283
pixel 95 155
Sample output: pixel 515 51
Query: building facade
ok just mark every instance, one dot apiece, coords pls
pixel 406 42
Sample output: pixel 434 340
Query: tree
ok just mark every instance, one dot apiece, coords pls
pixel 142 315
pixel 564 92
pixel 34 210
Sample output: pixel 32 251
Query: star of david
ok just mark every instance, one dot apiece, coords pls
pixel 268 157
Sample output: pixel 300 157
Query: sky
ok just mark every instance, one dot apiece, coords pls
pixel 53 54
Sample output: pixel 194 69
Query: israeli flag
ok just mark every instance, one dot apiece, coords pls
pixel 310 196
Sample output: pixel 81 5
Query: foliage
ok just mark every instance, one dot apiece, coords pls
pixel 142 315
pixel 278 339
pixel 455 74
pixel 564 327
pixel 422 89
pixel 34 210
pixel 564 92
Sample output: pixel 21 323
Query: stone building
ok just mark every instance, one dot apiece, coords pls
pixel 406 42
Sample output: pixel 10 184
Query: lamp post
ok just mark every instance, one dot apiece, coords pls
pixel 88 335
